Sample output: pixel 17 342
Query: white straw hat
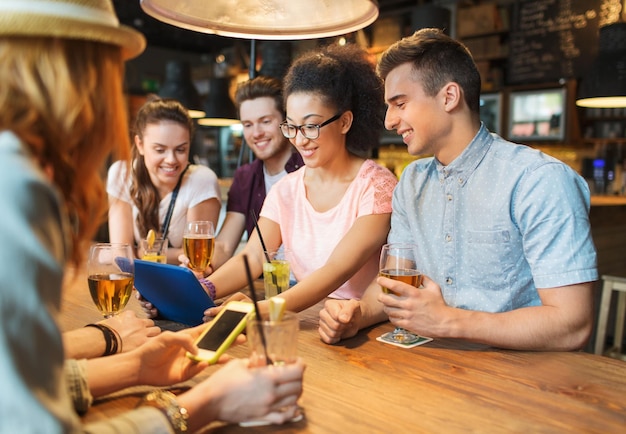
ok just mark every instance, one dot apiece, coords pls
pixel 92 20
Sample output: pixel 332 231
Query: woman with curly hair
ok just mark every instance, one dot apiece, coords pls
pixel 332 214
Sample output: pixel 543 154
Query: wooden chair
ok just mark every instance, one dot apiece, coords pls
pixel 610 284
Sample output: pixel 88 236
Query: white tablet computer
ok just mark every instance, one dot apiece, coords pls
pixel 173 290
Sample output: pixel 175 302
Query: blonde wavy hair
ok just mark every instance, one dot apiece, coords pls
pixel 64 99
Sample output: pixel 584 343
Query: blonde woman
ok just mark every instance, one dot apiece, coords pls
pixel 62 113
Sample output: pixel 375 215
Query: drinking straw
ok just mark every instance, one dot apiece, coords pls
pixel 259 321
pixel 258 231
pixel 267 256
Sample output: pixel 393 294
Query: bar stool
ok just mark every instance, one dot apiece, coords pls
pixel 610 284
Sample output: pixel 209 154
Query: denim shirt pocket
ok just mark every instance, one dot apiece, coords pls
pixel 489 262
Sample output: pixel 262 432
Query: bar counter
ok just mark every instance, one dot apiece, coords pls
pixel 365 386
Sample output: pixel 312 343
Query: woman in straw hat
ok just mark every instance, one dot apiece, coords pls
pixel 62 113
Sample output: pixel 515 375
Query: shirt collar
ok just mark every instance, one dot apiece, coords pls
pixel 294 162
pixel 464 165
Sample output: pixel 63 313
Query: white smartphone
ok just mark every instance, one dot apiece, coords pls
pixel 222 331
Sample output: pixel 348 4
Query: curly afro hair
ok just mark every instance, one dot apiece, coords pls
pixel 345 79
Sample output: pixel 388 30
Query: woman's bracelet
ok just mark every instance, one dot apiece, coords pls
pixel 167 403
pixel 209 286
pixel 112 340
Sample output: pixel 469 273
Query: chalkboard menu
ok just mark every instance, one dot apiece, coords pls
pixel 554 39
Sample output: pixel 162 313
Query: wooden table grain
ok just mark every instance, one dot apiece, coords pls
pixel 365 386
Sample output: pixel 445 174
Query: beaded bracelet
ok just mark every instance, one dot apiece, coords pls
pixel 167 403
pixel 209 286
pixel 112 341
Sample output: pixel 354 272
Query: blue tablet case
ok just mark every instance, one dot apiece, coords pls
pixel 173 290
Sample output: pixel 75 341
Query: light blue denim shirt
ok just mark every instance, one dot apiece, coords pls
pixel 497 223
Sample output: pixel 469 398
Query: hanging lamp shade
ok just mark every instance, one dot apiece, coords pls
pixel 219 109
pixel 266 19
pixel 605 84
pixel 178 85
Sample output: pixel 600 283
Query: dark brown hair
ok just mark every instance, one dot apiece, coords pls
pixel 437 59
pixel 260 87
pixel 142 190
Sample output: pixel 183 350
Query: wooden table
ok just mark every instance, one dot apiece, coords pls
pixel 364 386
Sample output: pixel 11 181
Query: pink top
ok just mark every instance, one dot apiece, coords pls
pixel 311 236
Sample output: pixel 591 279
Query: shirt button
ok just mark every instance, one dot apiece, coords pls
pixel 460 180
pixel 448 238
pixel 449 197
pixel 449 281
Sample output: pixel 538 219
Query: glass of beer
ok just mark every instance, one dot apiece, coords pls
pixel 110 271
pixel 198 244
pixel 398 261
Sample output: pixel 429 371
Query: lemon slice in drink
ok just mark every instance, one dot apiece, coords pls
pixel 150 238
pixel 276 308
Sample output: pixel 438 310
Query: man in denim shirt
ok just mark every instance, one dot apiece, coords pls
pixel 502 230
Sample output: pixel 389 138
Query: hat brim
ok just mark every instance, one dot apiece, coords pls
pixel 128 39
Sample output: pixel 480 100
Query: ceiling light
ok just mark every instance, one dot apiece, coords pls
pixel 266 19
pixel 605 84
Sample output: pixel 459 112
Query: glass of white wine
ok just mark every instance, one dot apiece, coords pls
pixel 199 243
pixel 110 271
pixel 398 261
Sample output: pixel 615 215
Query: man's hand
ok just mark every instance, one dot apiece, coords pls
pixel 419 310
pixel 339 319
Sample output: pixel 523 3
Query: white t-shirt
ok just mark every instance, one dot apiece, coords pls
pixel 199 184
pixel 270 180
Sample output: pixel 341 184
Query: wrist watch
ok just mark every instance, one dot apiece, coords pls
pixel 167 403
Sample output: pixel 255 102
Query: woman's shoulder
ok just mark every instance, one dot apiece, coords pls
pixel 374 172
pixel 24 186
pixel 119 168
pixel 200 183
pixel 201 173
pixel 380 182
pixel 17 165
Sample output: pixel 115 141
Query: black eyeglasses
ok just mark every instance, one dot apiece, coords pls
pixel 309 131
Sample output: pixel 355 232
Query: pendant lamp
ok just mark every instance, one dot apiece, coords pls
pixel 605 84
pixel 263 19
pixel 266 19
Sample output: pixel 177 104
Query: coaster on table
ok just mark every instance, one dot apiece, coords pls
pixel 388 339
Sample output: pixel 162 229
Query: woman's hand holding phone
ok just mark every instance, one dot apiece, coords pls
pixel 162 360
pixel 212 312
pixel 221 332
